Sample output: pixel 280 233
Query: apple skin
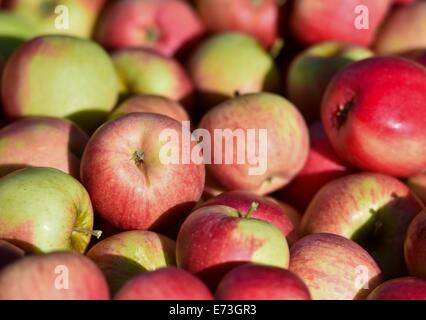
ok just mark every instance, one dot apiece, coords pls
pixel 245 67
pixel 281 215
pixel 127 254
pixel 287 139
pixel 371 209
pixel 256 18
pixel 45 210
pixel 34 278
pixel 375 128
pixel 417 184
pixel 13 32
pixel 42 16
pixel 151 104
pixel 214 239
pixel 330 266
pixel 257 282
pixel 323 165
pixel 312 70
pixel 167 283
pixel 403 30
pixel 149 24
pixel 310 20
pixel 142 71
pixel 79 81
pixel 414 247
pixel 408 288
pixel 128 183
pixel 42 142
pixel 9 253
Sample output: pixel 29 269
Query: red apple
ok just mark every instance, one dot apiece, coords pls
pixel 415 247
pixel 257 282
pixel 55 276
pixel 376 122
pixel 9 253
pixel 129 183
pixel 164 284
pixel 214 239
pixel 400 289
pixel 334 268
pixel 163 25
pixel 281 215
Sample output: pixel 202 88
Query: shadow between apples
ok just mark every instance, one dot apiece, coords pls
pixel 89 120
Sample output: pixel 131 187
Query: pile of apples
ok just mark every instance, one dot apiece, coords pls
pixel 88 210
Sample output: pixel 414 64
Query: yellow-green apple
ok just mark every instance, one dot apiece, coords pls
pixel 270 128
pixel 245 67
pixel 333 267
pixel 13 32
pixel 415 247
pixel 352 21
pixel 169 283
pixel 125 255
pixel 165 26
pixel 371 209
pixel 408 288
pixel 44 210
pixel 259 282
pixel 323 165
pixel 417 184
pixel 54 276
pixel 375 122
pixel 259 19
pixel 64 77
pixel 283 216
pixel 403 30
pixel 311 71
pixel 66 17
pixel 42 142
pixel 132 181
pixel 214 239
pixel 9 253
pixel 151 104
pixel 143 71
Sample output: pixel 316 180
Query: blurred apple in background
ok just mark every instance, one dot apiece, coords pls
pixel 9 253
pixel 60 76
pixel 417 184
pixel 14 31
pixel 286 138
pixel 42 142
pixel 54 276
pixel 311 72
pixel 44 210
pixel 257 282
pixel 415 247
pixel 333 267
pixel 164 284
pixel 408 288
pixel 125 255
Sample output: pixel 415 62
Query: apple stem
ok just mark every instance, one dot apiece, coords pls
pixel 96 233
pixel 276 48
pixel 253 208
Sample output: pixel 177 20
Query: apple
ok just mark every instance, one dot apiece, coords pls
pixel 162 25
pixel 259 19
pixel 414 247
pixel 66 17
pixel 231 63
pixel 371 209
pixel 54 276
pixel 167 283
pixel 371 124
pixel 151 104
pixel 323 165
pixel 333 267
pixel 42 142
pixel 44 210
pixel 312 70
pixel 417 184
pixel 214 239
pixel 257 282
pixel 60 76
pixel 283 216
pixel 127 254
pixel 9 253
pixel 13 32
pixel 408 288
pixel 286 138
pixel 130 183
pixel 315 21
pixel 403 30
pixel 142 71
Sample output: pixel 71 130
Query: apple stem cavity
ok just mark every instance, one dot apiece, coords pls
pixel 96 233
pixel 138 157
pixel 251 210
pixel 152 34
pixel 343 112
